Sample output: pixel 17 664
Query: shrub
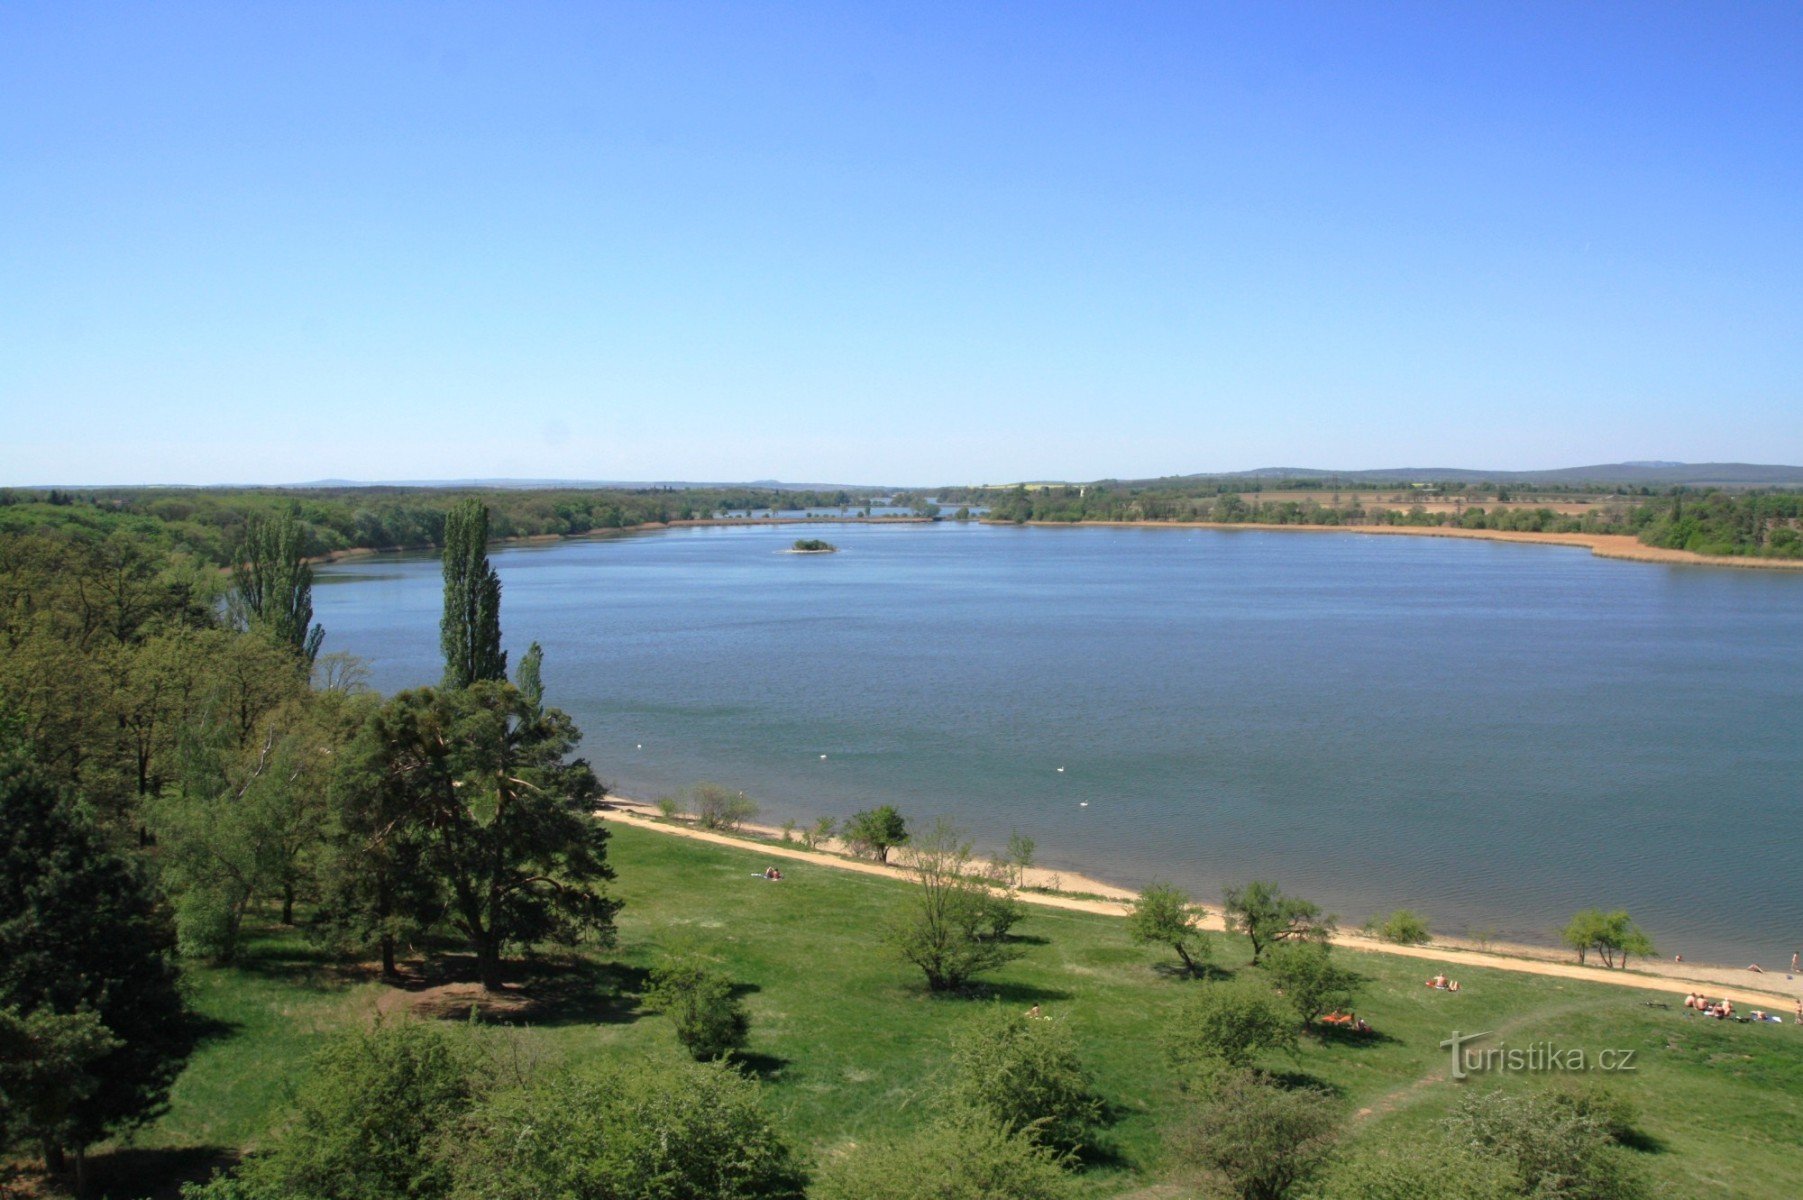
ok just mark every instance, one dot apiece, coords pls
pixel 965 1158
pixel 602 1131
pixel 718 807
pixel 669 808
pixel 1260 1141
pixel 1024 1074
pixel 1405 1171
pixel 1402 927
pixel 369 1115
pixel 877 831
pixel 942 928
pixel 709 1020
pixel 1310 979
pixel 1556 1151
pixel 1228 1025
pixel 818 832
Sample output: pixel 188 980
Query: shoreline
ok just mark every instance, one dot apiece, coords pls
pixel 1076 892
pixel 1622 546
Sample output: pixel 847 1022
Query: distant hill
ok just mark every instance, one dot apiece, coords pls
pixel 1631 474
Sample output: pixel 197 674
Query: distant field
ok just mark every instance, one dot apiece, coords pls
pixel 849 1042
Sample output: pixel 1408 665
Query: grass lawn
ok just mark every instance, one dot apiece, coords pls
pixel 849 1041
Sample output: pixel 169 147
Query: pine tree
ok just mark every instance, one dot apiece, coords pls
pixel 470 632
pixel 272 585
pixel 81 931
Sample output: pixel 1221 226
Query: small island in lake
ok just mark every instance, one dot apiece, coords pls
pixel 812 546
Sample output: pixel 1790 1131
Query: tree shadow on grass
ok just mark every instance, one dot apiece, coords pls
pixel 550 992
pixel 766 1067
pixel 1642 1142
pixel 1297 1080
pixel 1336 1035
pixel 130 1173
pixel 1008 993
pixel 1205 972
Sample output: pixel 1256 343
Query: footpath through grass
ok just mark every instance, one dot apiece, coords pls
pixel 848 1041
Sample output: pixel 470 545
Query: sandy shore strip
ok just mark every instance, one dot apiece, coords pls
pixel 1080 893
pixel 1603 545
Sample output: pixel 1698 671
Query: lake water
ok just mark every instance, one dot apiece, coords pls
pixel 1493 734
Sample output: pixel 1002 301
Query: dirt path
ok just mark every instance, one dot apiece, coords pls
pixel 1113 902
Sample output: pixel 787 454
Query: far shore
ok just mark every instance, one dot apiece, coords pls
pixel 1082 893
pixel 1603 545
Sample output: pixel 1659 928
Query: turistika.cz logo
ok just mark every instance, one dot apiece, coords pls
pixel 1534 1057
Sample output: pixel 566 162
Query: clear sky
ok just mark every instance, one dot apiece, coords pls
pixel 894 243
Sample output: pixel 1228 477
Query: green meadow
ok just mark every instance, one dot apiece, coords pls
pixel 849 1043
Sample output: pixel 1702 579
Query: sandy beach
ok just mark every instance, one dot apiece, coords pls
pixel 1081 893
pixel 1603 545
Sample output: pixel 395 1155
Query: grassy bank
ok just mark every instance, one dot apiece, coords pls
pixel 848 1041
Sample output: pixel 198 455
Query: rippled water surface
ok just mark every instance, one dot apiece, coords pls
pixel 1495 734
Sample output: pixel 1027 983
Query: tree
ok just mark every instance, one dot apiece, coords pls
pixel 719 807
pixel 820 831
pixel 710 1020
pixel 1024 1073
pixel 941 927
pixel 1612 935
pixel 272 585
pixel 877 831
pixel 1164 916
pixel 501 816
pixel 648 1131
pixel 470 631
pixel 369 1118
pixel 47 1067
pixel 1261 1141
pixel 1228 1024
pixel 961 1158
pixel 1402 927
pixel 81 931
pixel 1266 916
pixel 1310 980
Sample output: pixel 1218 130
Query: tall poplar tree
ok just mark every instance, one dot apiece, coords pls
pixel 272 585
pixel 470 631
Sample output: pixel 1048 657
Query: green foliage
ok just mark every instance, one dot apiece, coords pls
pixel 369 1118
pixel 470 630
pixel 1163 915
pixel 669 807
pixel 1615 1114
pixel 1557 1150
pixel 1228 1024
pixel 957 1159
pixel 82 932
pixel 272 585
pixel 1311 980
pixel 650 1131
pixel 1024 1073
pixel 820 831
pixel 1613 936
pixel 529 676
pixel 1259 1141
pixel 47 1067
pixel 1403 927
pixel 813 546
pixel 1405 1171
pixel 719 807
pixel 876 831
pixel 1267 916
pixel 944 929
pixel 710 1021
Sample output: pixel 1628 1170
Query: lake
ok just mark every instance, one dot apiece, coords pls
pixel 1494 734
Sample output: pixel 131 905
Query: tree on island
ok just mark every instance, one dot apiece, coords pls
pixel 1267 916
pixel 470 631
pixel 813 546
pixel 1164 916
pixel 877 831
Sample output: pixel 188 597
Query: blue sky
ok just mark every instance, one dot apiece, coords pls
pixel 894 243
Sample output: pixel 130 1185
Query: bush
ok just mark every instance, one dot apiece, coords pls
pixel 1556 1151
pixel 668 807
pixel 369 1116
pixel 877 831
pixel 1024 1074
pixel 718 807
pixel 966 1158
pixel 1310 980
pixel 1402 927
pixel 709 1020
pixel 1405 1171
pixel 943 927
pixel 1616 1115
pixel 1228 1025
pixel 650 1131
pixel 1260 1141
